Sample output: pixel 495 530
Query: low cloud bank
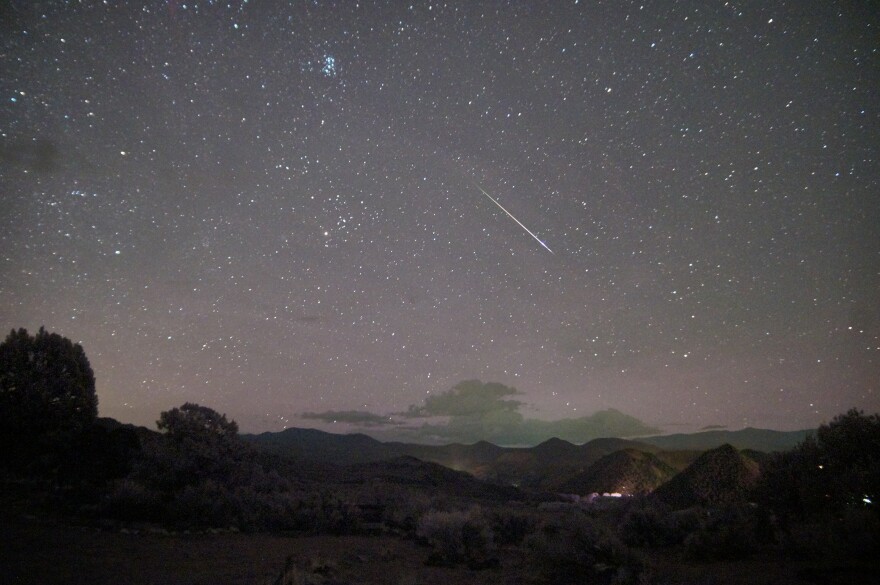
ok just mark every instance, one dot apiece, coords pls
pixel 473 411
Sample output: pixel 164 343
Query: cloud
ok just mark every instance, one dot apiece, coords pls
pixel 476 411
pixel 713 427
pixel 356 417
pixel 467 399
pixel 510 428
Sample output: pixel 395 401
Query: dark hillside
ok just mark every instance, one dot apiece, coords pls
pixel 719 476
pixel 315 445
pixel 627 472
pixel 431 478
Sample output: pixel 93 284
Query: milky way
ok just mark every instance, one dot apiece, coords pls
pixel 269 207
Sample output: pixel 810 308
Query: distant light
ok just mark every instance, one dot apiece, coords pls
pixel 867 500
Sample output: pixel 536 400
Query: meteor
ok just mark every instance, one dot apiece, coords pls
pixel 518 222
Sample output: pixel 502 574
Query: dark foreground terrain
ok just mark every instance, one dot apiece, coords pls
pixel 64 555
pixel 70 556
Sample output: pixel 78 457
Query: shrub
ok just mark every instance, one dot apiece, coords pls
pixel 404 508
pixel 575 549
pixel 653 524
pixel 204 505
pixel 860 528
pixel 313 571
pixel 512 528
pixel 130 500
pixel 325 512
pixel 457 537
pixel 732 533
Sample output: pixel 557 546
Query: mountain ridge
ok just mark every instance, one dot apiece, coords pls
pixel 766 440
pixel 548 466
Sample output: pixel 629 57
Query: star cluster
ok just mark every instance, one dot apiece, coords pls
pixel 274 208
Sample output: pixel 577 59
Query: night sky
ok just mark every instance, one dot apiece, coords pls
pixel 287 208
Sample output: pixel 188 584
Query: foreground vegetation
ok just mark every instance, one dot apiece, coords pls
pixel 194 484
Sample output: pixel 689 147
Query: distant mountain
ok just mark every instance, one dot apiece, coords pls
pixel 757 439
pixel 627 472
pixel 718 476
pixel 556 449
pixel 541 467
pixel 554 465
pixel 319 446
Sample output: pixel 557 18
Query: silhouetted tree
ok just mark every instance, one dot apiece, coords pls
pixel 47 392
pixel 830 482
pixel 199 472
pixel 849 449
pixel 199 444
pixel 836 469
pixel 197 423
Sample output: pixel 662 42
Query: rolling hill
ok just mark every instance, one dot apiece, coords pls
pixel 719 476
pixel 628 472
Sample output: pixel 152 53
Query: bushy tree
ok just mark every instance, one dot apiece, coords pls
pixel 200 473
pixel 198 444
pixel 824 492
pixel 849 451
pixel 47 390
pixel 197 423
pixel 836 469
pixel 651 523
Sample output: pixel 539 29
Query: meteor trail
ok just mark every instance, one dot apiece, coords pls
pixel 519 223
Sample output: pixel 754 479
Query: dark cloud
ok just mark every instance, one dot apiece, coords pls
pixel 511 429
pixel 472 411
pixel 355 417
pixel 468 398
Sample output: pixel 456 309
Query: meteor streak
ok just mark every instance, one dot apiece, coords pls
pixel 519 223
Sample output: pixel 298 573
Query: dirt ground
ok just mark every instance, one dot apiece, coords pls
pixel 764 570
pixel 49 555
pixel 64 555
